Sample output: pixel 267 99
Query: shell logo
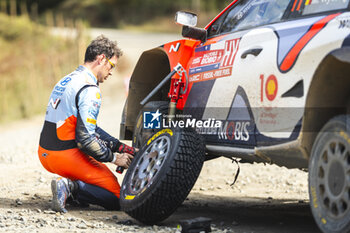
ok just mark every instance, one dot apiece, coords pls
pixel 271 87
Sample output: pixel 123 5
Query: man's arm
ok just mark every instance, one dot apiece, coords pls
pixel 89 102
pixel 114 144
pixel 91 139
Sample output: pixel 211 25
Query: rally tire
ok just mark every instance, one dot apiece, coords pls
pixel 140 134
pixel 329 176
pixel 176 174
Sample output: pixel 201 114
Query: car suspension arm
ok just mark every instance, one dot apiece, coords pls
pixel 177 68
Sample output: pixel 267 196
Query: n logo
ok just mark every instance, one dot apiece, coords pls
pixel 55 103
pixel 174 48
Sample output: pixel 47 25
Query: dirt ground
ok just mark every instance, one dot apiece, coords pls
pixel 265 198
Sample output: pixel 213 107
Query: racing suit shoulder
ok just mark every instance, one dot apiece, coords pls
pixel 58 132
pixel 62 99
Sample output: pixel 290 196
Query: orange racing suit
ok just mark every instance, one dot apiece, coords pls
pixel 71 144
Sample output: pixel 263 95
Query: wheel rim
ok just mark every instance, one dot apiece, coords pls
pixel 149 164
pixel 333 172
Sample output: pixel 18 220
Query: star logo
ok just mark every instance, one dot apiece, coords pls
pixel 151 120
pixel 156 115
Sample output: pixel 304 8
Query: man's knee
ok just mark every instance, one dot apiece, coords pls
pixel 92 194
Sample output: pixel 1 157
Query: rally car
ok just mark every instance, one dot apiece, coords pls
pixel 264 81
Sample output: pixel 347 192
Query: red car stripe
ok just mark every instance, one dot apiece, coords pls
pixel 294 4
pixel 293 54
pixel 298 9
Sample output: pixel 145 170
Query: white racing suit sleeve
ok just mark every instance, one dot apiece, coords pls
pixel 86 135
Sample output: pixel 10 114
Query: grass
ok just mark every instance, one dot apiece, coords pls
pixel 31 62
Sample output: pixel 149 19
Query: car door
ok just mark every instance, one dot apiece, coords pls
pixel 227 71
pixel 257 85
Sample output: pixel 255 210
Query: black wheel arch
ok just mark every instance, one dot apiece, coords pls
pixel 151 68
pixel 327 96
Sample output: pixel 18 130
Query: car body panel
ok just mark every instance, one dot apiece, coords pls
pixel 256 81
pixel 291 53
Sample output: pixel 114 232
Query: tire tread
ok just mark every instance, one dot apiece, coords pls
pixel 174 187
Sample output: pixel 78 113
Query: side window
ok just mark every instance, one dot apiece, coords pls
pixel 214 28
pixel 251 13
pixel 319 6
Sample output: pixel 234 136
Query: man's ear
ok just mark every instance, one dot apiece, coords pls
pixel 99 58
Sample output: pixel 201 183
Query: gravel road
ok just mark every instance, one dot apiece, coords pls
pixel 266 198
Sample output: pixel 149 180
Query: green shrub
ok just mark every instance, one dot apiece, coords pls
pixel 31 62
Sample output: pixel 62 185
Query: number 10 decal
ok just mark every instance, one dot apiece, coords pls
pixel 268 88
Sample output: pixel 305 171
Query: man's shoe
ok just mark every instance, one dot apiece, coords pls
pixel 60 191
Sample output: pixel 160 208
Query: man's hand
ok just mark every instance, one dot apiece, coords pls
pixel 123 148
pixel 123 160
pixel 128 151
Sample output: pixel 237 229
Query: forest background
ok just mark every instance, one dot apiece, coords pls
pixel 32 58
pixel 115 13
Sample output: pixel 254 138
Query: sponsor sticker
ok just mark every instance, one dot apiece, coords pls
pixel 212 64
pixel 271 87
pixel 61 89
pixel 169 131
pixel 174 48
pixel 234 131
pixel 231 48
pixel 129 197
pixel 314 197
pixel 345 136
pixel 344 21
pixel 93 111
pixel 65 81
pixel 214 74
pixel 54 103
pixel 91 121
pixel 204 59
